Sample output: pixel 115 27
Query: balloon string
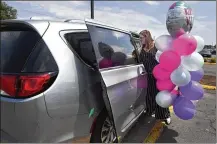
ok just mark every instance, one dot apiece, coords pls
pixel 179 91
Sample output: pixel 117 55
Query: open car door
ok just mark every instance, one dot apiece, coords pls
pixel 123 77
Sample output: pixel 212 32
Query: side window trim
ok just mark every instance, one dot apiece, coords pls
pixel 137 49
pixel 63 33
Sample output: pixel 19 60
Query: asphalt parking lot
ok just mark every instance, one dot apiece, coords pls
pixel 210 70
pixel 201 129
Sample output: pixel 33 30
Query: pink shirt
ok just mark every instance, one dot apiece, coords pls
pixel 105 63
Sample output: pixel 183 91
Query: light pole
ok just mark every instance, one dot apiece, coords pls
pixel 92 9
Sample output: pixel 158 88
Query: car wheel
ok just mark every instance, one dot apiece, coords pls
pixel 104 131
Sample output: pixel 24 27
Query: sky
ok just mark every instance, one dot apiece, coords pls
pixel 129 15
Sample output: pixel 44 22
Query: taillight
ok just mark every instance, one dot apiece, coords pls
pixel 21 86
pixel 30 85
pixel 8 84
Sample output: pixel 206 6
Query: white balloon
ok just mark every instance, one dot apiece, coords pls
pixel 192 62
pixel 200 43
pixel 163 42
pixel 157 55
pixel 180 76
pixel 164 99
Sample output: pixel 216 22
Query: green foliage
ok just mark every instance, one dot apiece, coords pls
pixel 205 60
pixel 7 12
pixel 213 60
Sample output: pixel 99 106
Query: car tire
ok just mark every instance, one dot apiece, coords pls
pixel 97 134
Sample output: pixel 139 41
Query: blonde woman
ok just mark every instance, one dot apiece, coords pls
pixel 147 56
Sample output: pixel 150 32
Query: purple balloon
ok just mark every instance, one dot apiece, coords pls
pixel 192 91
pixel 184 108
pixel 197 75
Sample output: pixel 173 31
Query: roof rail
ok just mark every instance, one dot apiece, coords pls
pixel 75 20
pixel 42 18
pixel 98 23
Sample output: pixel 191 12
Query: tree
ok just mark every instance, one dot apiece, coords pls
pixel 7 12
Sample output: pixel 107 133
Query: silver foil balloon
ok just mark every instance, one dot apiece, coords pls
pixel 180 76
pixel 179 19
pixel 164 99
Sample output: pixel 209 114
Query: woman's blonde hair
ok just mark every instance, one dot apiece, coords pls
pixel 149 43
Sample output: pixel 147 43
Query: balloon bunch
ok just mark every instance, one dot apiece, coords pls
pixel 180 64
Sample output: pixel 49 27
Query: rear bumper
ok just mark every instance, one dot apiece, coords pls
pixel 6 138
pixel 27 122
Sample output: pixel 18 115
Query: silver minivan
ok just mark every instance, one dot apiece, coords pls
pixel 69 81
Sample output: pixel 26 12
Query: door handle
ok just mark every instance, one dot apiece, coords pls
pixel 143 73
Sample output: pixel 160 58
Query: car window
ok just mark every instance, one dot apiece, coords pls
pixel 81 43
pixel 112 48
pixel 16 46
pixel 41 60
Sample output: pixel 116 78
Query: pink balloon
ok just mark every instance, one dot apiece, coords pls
pixel 170 60
pixel 175 92
pixel 161 74
pixel 184 45
pixel 165 85
pixel 180 32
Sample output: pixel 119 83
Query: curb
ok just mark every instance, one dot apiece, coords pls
pixel 208 87
pixel 209 63
pixel 171 109
pixel 155 132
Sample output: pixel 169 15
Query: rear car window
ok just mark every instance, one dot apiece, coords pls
pixel 40 60
pixel 16 46
pixel 24 50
